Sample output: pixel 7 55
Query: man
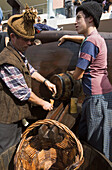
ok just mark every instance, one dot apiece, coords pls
pixel 40 26
pixel 96 119
pixel 69 8
pixel 16 94
pixel 4 38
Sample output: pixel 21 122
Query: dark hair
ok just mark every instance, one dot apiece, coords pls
pixel 86 13
pixel 38 18
pixel 77 2
pixel 4 26
pixel 10 30
pixel 45 20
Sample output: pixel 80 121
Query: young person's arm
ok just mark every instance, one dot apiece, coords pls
pixel 77 73
pixel 74 38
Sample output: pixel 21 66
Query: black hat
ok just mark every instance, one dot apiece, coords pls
pixel 93 9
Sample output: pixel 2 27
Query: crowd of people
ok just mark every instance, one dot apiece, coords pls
pixel 16 73
pixel 71 5
pixel 107 6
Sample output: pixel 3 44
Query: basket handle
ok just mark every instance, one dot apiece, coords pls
pixel 59 125
pixel 51 122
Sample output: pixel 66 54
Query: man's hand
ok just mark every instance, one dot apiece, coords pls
pixel 47 106
pixel 38 101
pixel 41 79
pixel 51 87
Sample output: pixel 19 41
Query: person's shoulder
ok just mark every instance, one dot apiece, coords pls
pixel 95 38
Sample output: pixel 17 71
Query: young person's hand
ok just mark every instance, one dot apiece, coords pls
pixel 62 39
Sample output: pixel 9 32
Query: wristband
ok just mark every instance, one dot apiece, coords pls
pixel 44 81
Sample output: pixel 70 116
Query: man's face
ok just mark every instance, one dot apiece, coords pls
pixel 21 44
pixel 81 23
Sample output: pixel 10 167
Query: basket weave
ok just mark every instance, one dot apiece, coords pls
pixel 37 152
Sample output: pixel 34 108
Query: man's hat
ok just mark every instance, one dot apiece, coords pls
pixel 92 8
pixel 22 24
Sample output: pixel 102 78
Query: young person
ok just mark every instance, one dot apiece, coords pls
pixel 96 119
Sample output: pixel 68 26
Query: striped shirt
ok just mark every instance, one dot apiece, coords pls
pixel 93 59
pixel 15 81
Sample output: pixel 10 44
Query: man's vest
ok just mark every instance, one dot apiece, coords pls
pixel 11 108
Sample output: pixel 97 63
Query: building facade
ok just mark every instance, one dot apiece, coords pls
pixel 50 7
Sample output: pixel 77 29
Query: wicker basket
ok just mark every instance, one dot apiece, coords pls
pixel 46 152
